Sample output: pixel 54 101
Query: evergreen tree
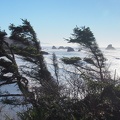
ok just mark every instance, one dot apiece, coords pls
pixel 85 38
pixel 27 48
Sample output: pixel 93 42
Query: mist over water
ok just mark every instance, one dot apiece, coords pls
pixel 112 56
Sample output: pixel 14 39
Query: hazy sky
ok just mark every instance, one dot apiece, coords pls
pixel 54 20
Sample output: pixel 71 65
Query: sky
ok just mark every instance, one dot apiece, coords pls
pixel 54 20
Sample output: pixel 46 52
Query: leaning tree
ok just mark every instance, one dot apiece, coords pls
pixel 94 57
pixel 26 48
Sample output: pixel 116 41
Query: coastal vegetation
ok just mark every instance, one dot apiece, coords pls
pixel 88 92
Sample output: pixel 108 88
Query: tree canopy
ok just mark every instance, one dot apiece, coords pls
pixel 84 37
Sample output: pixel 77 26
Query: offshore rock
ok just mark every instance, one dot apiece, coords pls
pixel 61 47
pixel 53 47
pixel 110 47
pixel 70 49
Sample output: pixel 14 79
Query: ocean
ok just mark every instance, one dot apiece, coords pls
pixel 112 56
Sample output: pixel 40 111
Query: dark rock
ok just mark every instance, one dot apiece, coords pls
pixel 70 49
pixel 79 50
pixel 118 58
pixel 44 52
pixel 53 47
pixel 61 47
pixel 110 47
pixel 66 47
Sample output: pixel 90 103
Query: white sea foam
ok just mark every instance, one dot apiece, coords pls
pixel 112 56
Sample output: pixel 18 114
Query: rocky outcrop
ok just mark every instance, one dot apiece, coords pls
pixel 53 47
pixel 44 52
pixel 79 49
pixel 110 47
pixel 66 47
pixel 70 49
pixel 61 47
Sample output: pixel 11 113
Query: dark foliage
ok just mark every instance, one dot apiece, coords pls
pixel 71 60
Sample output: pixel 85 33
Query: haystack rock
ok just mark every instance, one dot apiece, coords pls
pixel 61 47
pixel 66 47
pixel 110 47
pixel 53 47
pixel 70 49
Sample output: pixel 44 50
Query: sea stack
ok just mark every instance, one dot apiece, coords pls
pixel 61 47
pixel 110 47
pixel 53 47
pixel 70 49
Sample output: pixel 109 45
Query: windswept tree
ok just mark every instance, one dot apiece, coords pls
pixel 88 74
pixel 99 91
pixel 84 37
pixel 27 48
pixel 30 50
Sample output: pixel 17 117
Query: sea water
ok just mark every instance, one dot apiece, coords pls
pixel 112 57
